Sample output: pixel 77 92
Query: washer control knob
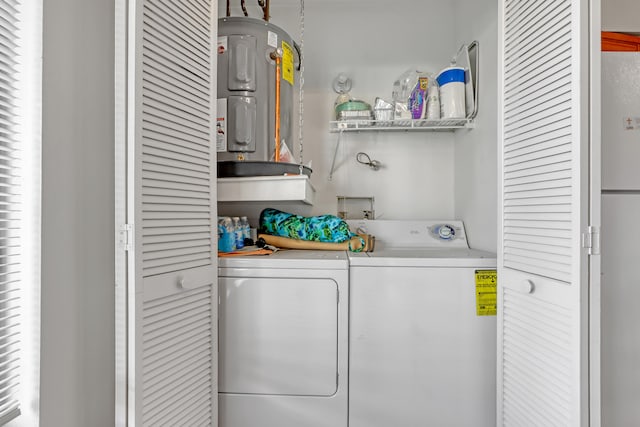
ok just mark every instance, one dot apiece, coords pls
pixel 446 232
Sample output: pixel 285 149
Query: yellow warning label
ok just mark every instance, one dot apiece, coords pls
pixel 486 292
pixel 424 82
pixel 287 63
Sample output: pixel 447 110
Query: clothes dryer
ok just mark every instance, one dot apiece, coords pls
pixel 283 340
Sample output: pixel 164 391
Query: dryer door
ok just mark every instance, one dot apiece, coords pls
pixel 278 336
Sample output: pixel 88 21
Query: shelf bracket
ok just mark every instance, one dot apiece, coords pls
pixel 335 154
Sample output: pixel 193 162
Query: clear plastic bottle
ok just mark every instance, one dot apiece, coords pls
pixel 246 230
pixel 402 89
pixel 239 233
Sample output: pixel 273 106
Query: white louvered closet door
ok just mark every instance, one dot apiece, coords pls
pixel 544 134
pixel 172 298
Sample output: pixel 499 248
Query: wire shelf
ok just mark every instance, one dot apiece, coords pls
pixel 356 125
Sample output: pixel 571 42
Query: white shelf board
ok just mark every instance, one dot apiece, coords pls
pixel 285 188
pixel 400 125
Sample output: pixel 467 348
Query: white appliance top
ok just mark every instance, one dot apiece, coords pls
pixel 292 259
pixel 423 243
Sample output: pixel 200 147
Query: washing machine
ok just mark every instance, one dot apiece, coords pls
pixel 283 338
pixel 420 354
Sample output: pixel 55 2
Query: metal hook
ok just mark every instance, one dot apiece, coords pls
pixel 373 164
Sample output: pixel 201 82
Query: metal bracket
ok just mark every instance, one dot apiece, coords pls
pixel 591 240
pixel 335 154
pixel 125 237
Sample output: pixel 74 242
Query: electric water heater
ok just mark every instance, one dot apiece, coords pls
pixel 257 69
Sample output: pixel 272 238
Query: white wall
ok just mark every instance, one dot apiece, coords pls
pixel 621 15
pixel 476 154
pixel 425 174
pixel 77 344
pixel 373 41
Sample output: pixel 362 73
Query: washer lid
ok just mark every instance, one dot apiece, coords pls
pixel 421 257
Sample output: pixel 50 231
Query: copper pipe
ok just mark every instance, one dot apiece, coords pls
pixel 278 61
pixel 277 56
pixel 228 9
pixel 244 8
pixel 264 4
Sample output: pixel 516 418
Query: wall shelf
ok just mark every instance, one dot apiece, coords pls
pixel 286 188
pixel 400 125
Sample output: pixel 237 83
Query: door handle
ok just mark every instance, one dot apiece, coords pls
pixel 526 286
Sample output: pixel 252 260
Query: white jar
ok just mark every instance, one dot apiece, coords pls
pixel 452 98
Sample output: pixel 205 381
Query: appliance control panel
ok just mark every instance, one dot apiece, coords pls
pixel 413 234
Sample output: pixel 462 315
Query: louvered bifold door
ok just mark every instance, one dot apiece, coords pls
pixel 173 305
pixel 542 270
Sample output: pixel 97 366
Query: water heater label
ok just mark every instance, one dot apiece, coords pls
pixel 223 42
pixel 272 39
pixel 221 125
pixel 287 63
pixel 486 292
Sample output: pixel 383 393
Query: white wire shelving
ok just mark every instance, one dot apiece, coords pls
pixel 356 125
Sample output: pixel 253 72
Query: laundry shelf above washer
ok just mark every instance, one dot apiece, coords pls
pixel 400 125
pixel 285 188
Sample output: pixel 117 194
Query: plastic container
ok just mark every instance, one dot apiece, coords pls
pixel 382 111
pixel 402 89
pixel 433 101
pixel 246 229
pixel 239 232
pixel 354 109
pixel 417 100
pixel 452 93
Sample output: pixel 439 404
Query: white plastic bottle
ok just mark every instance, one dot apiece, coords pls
pixel 452 93
pixel 433 101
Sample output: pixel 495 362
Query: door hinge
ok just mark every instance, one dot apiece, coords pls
pixel 591 240
pixel 125 239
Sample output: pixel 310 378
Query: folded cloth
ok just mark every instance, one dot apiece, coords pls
pixel 323 228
